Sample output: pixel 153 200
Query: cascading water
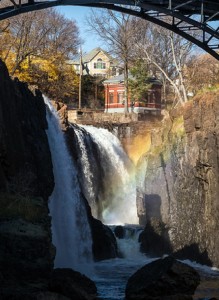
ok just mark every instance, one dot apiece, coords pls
pixel 112 275
pixel 116 199
pixel 86 162
pixel 129 247
pixel 70 229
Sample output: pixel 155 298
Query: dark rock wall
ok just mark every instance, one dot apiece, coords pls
pixel 26 181
pixel 178 182
pixel 25 163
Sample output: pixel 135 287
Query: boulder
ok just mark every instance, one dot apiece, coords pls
pixel 163 279
pixel 119 232
pixel 104 241
pixel 50 296
pixel 72 284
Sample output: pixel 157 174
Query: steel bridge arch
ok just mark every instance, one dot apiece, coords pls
pixel 184 17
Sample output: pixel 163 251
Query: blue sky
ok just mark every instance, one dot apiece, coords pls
pixel 78 14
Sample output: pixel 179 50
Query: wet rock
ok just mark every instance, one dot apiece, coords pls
pixel 119 232
pixel 63 114
pixel 163 279
pixel 209 299
pixel 50 296
pixel 104 241
pixel 72 284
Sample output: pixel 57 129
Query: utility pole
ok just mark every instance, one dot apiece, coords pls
pixel 126 108
pixel 80 77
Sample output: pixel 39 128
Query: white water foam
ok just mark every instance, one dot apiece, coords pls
pixel 119 197
pixel 129 246
pixel 87 174
pixel 70 230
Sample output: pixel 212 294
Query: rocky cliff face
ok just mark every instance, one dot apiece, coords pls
pixel 178 184
pixel 26 181
pixel 25 164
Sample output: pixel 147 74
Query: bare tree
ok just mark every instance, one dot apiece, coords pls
pixel 166 51
pixel 63 37
pixel 131 38
pixel 35 47
pixel 115 29
pixel 40 34
pixel 202 72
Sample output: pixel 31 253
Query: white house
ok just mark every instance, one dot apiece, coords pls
pixel 97 62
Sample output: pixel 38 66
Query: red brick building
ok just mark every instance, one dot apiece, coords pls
pixel 114 97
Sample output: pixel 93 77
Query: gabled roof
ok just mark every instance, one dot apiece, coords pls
pixel 87 57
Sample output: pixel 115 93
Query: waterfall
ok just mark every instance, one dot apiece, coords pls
pixel 129 246
pixel 70 229
pixel 87 163
pixel 114 188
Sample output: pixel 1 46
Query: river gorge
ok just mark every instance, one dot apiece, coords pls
pixel 66 188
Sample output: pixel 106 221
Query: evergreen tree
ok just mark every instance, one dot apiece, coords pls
pixel 92 92
pixel 139 81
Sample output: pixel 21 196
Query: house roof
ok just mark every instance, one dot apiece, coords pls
pixel 87 57
pixel 120 79
pixel 115 79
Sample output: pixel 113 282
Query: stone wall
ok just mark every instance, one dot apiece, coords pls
pixel 178 183
pixel 90 117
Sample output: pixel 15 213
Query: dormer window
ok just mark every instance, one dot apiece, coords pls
pixel 99 64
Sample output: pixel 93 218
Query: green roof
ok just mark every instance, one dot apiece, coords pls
pixel 120 79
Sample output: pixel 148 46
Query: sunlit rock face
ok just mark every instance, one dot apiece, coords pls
pixel 178 180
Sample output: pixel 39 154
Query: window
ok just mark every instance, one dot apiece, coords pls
pixel 120 97
pixel 110 97
pixel 99 64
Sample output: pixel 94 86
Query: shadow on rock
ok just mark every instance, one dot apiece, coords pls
pixel 163 279
pixel 193 253
pixel 155 239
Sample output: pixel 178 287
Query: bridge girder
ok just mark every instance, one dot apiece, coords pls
pixel 184 17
